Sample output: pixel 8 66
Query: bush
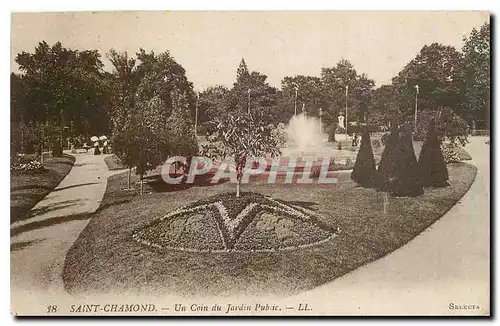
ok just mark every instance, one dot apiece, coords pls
pixel 431 163
pixel 407 181
pixel 365 171
pixel 448 125
pixel 387 165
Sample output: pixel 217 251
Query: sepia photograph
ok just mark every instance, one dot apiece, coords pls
pixel 250 163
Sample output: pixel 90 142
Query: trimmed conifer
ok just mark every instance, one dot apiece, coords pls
pixel 387 165
pixel 431 163
pixel 365 171
pixel 407 181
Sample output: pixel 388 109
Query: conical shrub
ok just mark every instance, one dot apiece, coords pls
pixel 365 171
pixel 431 163
pixel 387 165
pixel 407 181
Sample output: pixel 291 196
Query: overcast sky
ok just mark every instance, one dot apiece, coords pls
pixel 210 45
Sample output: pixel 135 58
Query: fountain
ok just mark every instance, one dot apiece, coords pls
pixel 304 137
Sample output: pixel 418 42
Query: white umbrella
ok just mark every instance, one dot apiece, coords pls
pixel 103 138
pixel 94 138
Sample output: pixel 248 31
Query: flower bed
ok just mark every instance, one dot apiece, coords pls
pixel 252 222
pixel 31 167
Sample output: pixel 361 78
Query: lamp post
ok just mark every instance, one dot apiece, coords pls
pixel 196 115
pixel 346 94
pixel 249 90
pixel 416 106
pixel 295 101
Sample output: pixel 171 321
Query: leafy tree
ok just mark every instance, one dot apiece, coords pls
pixel 123 86
pixel 364 172
pixel 431 163
pixel 384 107
pixel 150 143
pixel 407 180
pixel 477 73
pixel 251 91
pixel 64 86
pixel 156 108
pixel 211 103
pixel 242 137
pixel 309 95
pixel 334 81
pixel 124 146
pixel 449 126
pixel 387 166
pixel 437 71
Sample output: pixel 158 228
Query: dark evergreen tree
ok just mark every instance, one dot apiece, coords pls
pixel 387 165
pixel 365 171
pixel 431 164
pixel 242 74
pixel 407 181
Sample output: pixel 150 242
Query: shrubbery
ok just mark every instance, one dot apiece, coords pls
pixel 407 180
pixel 431 164
pixel 387 165
pixel 365 171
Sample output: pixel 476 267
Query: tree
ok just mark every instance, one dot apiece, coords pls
pixel 449 126
pixel 384 107
pixel 309 95
pixel 211 103
pixel 251 92
pixel 156 109
pixel 364 172
pixel 151 141
pixel 477 73
pixel 241 138
pixel 407 181
pixel 431 164
pixel 387 166
pixel 123 86
pixel 64 87
pixel 334 81
pixel 437 72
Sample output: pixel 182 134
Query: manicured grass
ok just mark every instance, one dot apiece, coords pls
pixel 369 225
pixel 114 163
pixel 26 190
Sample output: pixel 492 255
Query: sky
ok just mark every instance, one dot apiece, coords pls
pixel 210 45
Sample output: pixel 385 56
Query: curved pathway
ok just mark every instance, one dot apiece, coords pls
pixel 39 244
pixel 447 263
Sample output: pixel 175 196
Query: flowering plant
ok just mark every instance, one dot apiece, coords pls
pixel 27 168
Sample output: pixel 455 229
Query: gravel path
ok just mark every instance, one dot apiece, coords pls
pixel 447 263
pixel 39 244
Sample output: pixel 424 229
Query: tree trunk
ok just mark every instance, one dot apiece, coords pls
pixel 129 175
pixel 238 187
pixel 142 185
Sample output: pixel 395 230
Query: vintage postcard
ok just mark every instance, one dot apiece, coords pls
pixel 264 163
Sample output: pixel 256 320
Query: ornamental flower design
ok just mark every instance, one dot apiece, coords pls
pixel 225 223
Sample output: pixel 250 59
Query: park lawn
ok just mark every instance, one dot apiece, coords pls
pixel 105 258
pixel 114 163
pixel 26 190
